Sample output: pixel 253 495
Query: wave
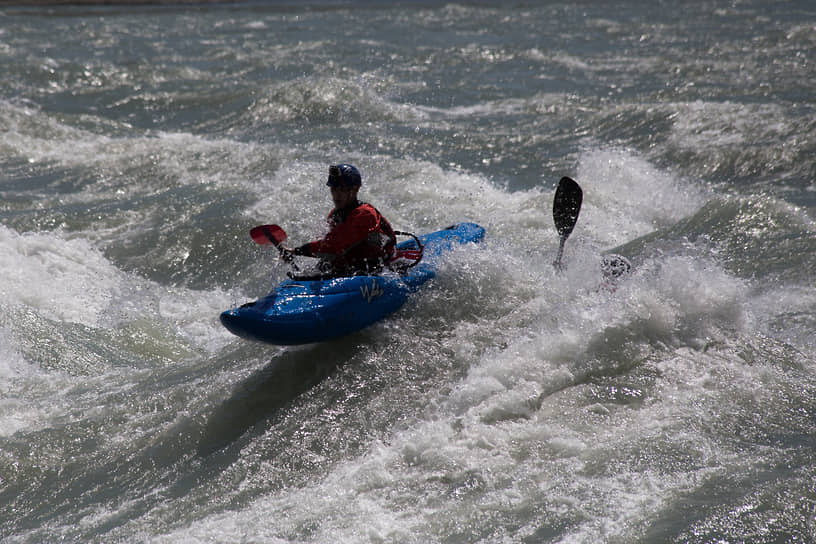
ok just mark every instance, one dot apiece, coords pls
pixel 570 397
pixel 329 100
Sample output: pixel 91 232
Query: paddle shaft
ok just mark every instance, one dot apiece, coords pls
pixel 274 235
pixel 557 262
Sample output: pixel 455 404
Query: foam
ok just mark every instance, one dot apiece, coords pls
pixel 520 430
pixel 517 430
pixel 67 279
pixel 27 400
pixel 296 196
pixel 70 280
pixel 194 316
pixel 625 196
pixel 330 99
pixel 186 158
pixel 787 313
pixel 12 363
pixel 703 125
pixel 70 292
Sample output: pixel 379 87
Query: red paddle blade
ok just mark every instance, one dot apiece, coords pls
pixel 268 234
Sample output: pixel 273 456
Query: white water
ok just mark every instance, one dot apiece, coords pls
pixel 505 402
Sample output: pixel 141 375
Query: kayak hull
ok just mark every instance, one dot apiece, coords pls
pixel 314 310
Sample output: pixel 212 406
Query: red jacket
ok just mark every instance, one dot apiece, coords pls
pixel 359 240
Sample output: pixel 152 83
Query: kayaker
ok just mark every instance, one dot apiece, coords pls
pixel 360 240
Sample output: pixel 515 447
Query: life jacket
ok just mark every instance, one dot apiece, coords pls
pixel 360 241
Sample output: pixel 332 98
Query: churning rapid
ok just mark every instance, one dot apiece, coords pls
pixel 505 402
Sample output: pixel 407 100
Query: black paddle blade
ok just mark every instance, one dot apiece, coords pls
pixel 566 205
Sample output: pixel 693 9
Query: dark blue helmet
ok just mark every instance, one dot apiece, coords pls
pixel 344 175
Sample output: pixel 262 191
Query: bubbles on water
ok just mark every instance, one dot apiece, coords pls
pixel 627 197
pixel 61 287
pixel 321 100
pixel 67 279
pixel 743 141
pixel 12 363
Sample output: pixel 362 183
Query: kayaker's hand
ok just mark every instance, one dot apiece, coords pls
pixel 286 253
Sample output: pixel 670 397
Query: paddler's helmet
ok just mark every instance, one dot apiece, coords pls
pixel 615 266
pixel 344 175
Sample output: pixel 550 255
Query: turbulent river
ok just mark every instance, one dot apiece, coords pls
pixel 505 402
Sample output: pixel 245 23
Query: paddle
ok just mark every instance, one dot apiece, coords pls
pixel 272 235
pixel 566 205
pixel 268 235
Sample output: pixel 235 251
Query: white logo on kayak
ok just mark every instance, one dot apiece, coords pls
pixel 371 292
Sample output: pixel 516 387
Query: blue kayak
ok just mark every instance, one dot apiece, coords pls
pixel 313 310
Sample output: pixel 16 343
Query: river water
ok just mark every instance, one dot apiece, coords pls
pixel 505 403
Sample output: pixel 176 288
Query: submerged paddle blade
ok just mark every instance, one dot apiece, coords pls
pixel 566 205
pixel 268 234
